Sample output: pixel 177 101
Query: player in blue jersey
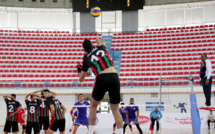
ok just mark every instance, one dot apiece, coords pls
pixel 123 113
pixel 132 114
pixel 81 113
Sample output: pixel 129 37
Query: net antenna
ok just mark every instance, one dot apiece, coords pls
pixel 160 84
pixel 191 83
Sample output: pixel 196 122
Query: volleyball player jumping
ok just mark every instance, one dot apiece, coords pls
pixel 107 80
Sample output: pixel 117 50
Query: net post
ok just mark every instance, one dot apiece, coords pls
pixel 160 90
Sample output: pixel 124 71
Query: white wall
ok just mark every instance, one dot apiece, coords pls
pixel 176 16
pixel 27 18
pixel 109 21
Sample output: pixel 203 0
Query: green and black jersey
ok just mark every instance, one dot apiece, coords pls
pixel 12 106
pixel 43 109
pixel 57 106
pixel 98 59
pixel 33 110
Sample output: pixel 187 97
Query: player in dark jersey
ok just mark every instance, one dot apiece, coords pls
pixel 33 111
pixel 132 114
pixel 57 110
pixel 82 113
pixel 107 80
pixel 13 107
pixel 44 112
pixel 123 113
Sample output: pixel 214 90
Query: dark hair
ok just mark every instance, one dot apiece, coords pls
pixel 46 90
pixel 122 103
pixel 13 95
pixel 80 95
pixel 205 54
pixel 131 98
pixel 87 45
pixel 32 96
pixel 42 93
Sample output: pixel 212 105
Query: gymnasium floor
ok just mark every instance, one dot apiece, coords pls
pixel 108 131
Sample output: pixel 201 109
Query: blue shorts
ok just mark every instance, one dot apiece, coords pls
pixel 124 120
pixel 82 121
pixel 132 119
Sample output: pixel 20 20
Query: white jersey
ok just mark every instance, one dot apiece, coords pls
pixel 211 116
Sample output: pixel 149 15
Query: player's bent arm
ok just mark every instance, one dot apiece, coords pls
pixel 64 109
pixel 41 99
pixel 19 109
pixel 160 116
pixel 150 115
pixel 83 75
pixel 26 97
pixel 54 94
pixel 6 96
pixel 52 110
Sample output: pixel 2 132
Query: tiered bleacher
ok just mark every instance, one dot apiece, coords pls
pixel 33 57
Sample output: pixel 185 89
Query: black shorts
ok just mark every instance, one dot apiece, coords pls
pixel 108 82
pixel 44 123
pixel 9 125
pixel 79 70
pixel 34 125
pixel 55 124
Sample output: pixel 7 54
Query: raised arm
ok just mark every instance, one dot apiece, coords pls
pixel 41 99
pixel 6 96
pixel 54 94
pixel 41 90
pixel 26 97
pixel 100 42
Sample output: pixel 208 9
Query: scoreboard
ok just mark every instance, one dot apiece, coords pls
pixel 107 5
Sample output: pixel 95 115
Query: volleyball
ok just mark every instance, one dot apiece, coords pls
pixel 95 11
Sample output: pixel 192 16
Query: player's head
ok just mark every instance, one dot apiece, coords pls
pixel 122 105
pixel 211 112
pixel 33 97
pixel 203 57
pixel 46 93
pixel 87 45
pixel 156 109
pixel 13 96
pixel 79 63
pixel 131 100
pixel 81 97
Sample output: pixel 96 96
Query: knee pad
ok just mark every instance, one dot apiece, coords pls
pixel 130 126
pixel 23 126
pixel 114 125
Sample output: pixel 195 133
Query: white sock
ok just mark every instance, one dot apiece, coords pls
pixel 91 129
pixel 120 131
